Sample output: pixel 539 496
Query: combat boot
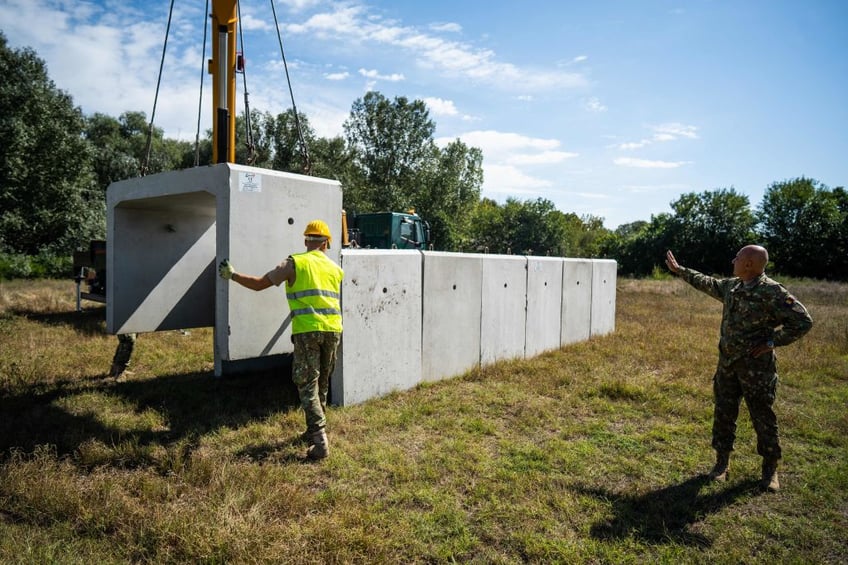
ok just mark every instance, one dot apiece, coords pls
pixel 719 472
pixel 318 446
pixel 770 482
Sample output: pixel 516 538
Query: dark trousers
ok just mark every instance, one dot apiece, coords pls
pixel 755 380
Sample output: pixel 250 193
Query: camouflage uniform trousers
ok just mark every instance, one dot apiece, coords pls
pixel 314 361
pixel 124 351
pixel 755 380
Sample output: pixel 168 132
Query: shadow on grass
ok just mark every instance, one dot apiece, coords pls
pixel 663 516
pixel 88 322
pixel 191 405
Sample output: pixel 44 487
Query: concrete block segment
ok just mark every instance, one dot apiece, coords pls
pixel 451 313
pixel 381 308
pixel 544 304
pixel 168 232
pixel 503 308
pixel 576 300
pixel 604 273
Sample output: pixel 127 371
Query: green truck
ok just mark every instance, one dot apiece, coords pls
pixel 387 230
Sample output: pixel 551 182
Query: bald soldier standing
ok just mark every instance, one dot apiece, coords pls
pixel 759 314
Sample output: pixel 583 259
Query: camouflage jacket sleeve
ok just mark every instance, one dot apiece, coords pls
pixel 792 316
pixel 711 286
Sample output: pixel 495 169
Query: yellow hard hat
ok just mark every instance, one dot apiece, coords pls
pixel 318 228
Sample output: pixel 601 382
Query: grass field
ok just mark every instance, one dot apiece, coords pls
pixel 592 454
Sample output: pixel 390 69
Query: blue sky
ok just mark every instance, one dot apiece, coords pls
pixel 609 108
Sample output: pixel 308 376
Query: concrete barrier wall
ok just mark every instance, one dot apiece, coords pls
pixel 381 309
pixel 503 308
pixel 451 312
pixel 471 310
pixel 576 315
pixel 544 305
pixel 603 296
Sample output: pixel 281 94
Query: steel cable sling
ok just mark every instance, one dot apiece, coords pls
pixel 307 162
pixel 145 166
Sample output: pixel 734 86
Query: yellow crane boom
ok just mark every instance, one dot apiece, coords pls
pixel 222 67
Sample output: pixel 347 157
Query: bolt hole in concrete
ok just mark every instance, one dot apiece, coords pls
pixel 291 221
pixel 385 290
pixel 454 287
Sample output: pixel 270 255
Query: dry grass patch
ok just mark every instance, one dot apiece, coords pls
pixel 594 453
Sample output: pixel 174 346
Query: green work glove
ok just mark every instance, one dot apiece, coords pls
pixel 225 269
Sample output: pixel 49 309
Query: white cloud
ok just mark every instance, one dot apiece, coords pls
pixel 374 74
pixel 499 145
pixel 249 22
pixel 647 164
pixel 594 105
pixel 300 5
pixel 441 107
pixel 352 24
pixel 663 133
pixel 675 130
pixel 506 180
pixel 337 76
pixel 449 27
pixel 634 144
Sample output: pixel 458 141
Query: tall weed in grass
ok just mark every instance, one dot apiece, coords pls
pixel 593 453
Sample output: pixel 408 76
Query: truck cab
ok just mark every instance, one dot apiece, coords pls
pixel 389 230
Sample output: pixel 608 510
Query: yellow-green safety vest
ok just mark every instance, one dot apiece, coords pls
pixel 314 298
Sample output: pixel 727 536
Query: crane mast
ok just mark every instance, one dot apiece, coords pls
pixel 222 67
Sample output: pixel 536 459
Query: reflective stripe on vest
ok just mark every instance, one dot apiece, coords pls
pixel 314 299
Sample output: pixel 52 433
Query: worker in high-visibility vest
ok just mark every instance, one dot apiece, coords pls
pixel 313 289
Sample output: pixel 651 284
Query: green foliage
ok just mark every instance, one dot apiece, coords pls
pixel 640 247
pixel 535 227
pixel 43 265
pixel 805 227
pixel 395 165
pixel 448 193
pixel 708 228
pixel 392 143
pixel 120 148
pixel 47 194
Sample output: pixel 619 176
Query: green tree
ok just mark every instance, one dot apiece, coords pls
pixel 120 148
pixel 804 226
pixel 392 144
pixel 530 227
pixel 708 228
pixel 48 197
pixel 447 196
pixel 639 247
pixel 396 165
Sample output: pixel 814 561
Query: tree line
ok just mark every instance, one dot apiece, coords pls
pixel 56 164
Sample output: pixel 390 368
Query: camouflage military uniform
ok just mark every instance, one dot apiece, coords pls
pixel 314 360
pixel 755 313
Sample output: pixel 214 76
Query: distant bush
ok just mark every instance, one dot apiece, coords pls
pixel 41 266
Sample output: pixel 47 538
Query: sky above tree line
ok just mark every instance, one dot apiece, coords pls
pixel 611 108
